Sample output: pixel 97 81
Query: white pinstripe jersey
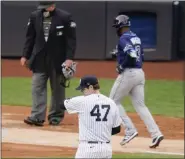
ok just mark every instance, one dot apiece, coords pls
pixel 97 114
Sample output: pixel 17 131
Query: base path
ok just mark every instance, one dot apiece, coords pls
pixel 66 139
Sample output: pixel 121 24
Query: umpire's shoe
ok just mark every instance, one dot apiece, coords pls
pixel 55 121
pixel 35 122
pixel 156 141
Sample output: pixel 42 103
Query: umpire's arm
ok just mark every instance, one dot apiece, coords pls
pixel 70 38
pixel 30 38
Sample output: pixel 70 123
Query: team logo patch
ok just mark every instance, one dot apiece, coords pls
pixel 59 33
pixel 73 25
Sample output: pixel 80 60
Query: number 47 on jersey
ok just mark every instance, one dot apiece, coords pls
pixel 97 112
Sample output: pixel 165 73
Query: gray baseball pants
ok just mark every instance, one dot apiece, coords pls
pixel 131 82
pixel 39 96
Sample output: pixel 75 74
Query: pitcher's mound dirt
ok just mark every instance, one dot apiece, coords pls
pixel 173 128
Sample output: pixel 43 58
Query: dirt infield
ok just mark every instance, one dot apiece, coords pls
pixel 11 150
pixel 172 128
pixel 106 69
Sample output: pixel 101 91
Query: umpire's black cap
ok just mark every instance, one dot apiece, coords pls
pixel 86 81
pixel 45 4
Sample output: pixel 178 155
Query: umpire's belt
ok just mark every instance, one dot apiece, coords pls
pixel 97 142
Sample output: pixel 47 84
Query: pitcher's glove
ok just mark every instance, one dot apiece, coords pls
pixel 67 74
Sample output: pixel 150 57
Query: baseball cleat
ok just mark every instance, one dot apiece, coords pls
pixel 128 138
pixel 35 122
pixel 156 141
pixel 55 121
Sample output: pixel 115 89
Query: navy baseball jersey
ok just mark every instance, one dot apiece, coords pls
pixel 129 47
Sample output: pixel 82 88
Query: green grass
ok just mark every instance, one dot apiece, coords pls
pixel 137 155
pixel 134 155
pixel 162 97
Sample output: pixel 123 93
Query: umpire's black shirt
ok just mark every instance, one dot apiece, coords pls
pixel 57 47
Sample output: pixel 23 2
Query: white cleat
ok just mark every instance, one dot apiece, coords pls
pixel 128 138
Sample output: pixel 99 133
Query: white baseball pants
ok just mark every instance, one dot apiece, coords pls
pixel 97 150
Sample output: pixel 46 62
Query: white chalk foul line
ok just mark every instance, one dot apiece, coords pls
pixel 165 153
pixel 11 114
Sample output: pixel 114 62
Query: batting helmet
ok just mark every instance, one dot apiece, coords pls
pixel 121 21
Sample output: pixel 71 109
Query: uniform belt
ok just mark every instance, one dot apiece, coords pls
pixel 97 142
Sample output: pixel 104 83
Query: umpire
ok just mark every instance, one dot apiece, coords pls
pixel 50 41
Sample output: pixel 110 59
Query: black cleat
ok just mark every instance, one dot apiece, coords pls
pixel 54 122
pixel 156 141
pixel 35 122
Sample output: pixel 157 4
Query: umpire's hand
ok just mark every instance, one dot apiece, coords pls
pixel 68 63
pixel 23 61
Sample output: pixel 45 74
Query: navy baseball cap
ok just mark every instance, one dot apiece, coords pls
pixel 86 81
